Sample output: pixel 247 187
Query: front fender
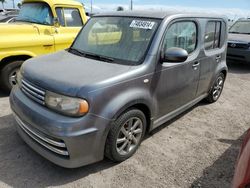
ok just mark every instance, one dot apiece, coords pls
pixel 25 39
pixel 110 103
pixel 126 99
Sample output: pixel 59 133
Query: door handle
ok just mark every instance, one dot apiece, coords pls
pixel 195 65
pixel 47 45
pixel 218 58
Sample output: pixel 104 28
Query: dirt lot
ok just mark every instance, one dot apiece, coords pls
pixel 197 149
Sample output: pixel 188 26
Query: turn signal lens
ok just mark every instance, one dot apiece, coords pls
pixel 84 107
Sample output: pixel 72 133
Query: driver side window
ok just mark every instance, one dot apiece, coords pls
pixel 69 17
pixel 183 35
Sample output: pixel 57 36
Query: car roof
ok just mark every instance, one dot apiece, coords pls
pixel 158 14
pixel 57 2
pixel 244 19
pixel 7 16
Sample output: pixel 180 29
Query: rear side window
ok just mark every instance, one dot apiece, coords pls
pixel 212 36
pixel 183 35
pixel 69 17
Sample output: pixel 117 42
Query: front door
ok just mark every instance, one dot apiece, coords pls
pixel 70 24
pixel 44 39
pixel 176 83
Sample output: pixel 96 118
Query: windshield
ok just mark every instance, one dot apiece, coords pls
pixel 39 13
pixel 241 27
pixel 118 39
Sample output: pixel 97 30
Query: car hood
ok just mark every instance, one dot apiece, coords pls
pixel 68 74
pixel 242 38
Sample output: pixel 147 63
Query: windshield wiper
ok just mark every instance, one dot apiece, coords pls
pixel 99 57
pixel 23 20
pixel 90 55
pixel 76 51
pixel 234 32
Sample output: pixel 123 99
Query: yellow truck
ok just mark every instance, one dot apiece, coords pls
pixel 42 26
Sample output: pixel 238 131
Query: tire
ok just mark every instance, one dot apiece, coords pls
pixel 217 89
pixel 132 122
pixel 8 74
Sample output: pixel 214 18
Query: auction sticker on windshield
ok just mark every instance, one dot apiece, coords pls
pixel 142 24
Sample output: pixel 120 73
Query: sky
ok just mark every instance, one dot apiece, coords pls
pixel 231 8
pixel 234 9
pixel 241 4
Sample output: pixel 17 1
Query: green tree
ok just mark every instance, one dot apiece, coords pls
pixel 3 1
pixel 19 5
pixel 120 8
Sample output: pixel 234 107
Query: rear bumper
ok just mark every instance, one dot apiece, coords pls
pixel 237 54
pixel 67 142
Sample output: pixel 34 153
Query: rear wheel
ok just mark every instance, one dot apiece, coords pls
pixel 217 88
pixel 125 135
pixel 8 75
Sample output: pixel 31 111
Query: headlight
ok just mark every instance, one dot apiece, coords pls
pixel 66 105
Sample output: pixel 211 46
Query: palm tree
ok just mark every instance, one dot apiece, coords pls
pixel 3 1
pixel 19 5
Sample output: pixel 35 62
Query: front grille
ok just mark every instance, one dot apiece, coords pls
pixel 238 45
pixel 54 145
pixel 33 92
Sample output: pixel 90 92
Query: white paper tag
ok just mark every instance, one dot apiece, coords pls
pixel 142 24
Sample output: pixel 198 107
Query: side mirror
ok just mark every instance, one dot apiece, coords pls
pixel 175 55
pixel 56 22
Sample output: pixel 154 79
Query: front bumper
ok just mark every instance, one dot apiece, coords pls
pixel 66 141
pixel 238 54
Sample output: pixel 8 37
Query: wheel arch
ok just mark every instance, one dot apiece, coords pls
pixel 224 71
pixel 10 59
pixel 140 105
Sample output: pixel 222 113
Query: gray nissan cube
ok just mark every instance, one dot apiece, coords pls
pixel 125 74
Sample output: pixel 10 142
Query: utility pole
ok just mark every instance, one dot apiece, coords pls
pixel 13 3
pixel 131 4
pixel 91 7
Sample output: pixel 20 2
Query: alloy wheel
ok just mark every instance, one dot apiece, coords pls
pixel 129 136
pixel 13 77
pixel 218 88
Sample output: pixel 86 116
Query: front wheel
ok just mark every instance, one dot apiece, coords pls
pixel 217 88
pixel 9 74
pixel 125 135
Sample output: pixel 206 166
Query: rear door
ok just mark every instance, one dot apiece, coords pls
pixel 177 83
pixel 213 52
pixel 70 24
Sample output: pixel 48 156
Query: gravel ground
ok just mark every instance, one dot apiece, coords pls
pixel 196 149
